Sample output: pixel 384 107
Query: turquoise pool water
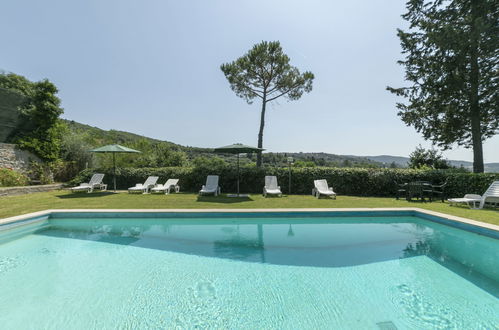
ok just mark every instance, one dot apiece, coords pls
pixel 247 271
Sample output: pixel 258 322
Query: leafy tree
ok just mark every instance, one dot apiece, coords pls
pixel 451 60
pixel 205 163
pixel 264 72
pixel 431 158
pixel 304 163
pixel 346 163
pixel 74 149
pixel 40 130
pixel 393 165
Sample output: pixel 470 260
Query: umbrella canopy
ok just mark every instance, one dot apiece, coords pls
pixel 114 149
pixel 238 148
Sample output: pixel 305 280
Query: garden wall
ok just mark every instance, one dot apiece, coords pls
pixel 345 181
pixel 15 158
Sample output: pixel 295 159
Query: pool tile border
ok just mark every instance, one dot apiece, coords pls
pixel 459 222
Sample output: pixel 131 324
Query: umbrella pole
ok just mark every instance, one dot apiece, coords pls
pixel 238 175
pixel 114 171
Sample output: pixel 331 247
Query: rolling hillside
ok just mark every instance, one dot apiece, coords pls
pixel 99 137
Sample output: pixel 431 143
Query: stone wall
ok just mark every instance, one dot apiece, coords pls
pixel 9 113
pixel 12 191
pixel 15 158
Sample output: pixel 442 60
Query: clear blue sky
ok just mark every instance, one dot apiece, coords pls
pixel 152 67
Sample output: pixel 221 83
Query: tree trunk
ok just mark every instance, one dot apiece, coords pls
pixel 260 133
pixel 476 133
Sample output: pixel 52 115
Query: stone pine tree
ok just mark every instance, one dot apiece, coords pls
pixel 451 61
pixel 264 72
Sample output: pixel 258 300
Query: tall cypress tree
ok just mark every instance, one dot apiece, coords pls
pixel 451 60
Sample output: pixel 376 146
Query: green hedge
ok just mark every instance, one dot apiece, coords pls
pixel 345 181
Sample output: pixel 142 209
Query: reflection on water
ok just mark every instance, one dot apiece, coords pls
pixel 300 242
pixel 334 242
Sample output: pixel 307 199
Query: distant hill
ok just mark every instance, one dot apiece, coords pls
pixel 403 161
pixel 102 137
pixel 99 137
pixel 386 159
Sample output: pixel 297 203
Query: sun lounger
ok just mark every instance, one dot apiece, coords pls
pixel 490 196
pixel 271 187
pixel 94 183
pixel 211 186
pixel 321 188
pixel 472 200
pixel 171 183
pixel 144 187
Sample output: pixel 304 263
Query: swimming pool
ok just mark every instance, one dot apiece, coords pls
pixel 285 270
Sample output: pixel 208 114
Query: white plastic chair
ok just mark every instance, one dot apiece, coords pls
pixel 94 183
pixel 211 186
pixel 491 195
pixel 271 187
pixel 321 188
pixel 169 184
pixel 144 187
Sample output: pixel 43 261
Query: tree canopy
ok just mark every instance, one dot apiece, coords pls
pixel 264 72
pixel 40 130
pixel 451 61
pixel 431 158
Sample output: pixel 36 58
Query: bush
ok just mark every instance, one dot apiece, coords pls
pixel 345 181
pixel 11 178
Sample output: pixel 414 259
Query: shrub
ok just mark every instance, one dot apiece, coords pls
pixel 11 178
pixel 345 181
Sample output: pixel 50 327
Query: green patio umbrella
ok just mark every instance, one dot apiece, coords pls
pixel 237 148
pixel 114 149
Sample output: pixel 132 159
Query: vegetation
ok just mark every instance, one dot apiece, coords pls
pixel 451 60
pixel 40 130
pixel 81 138
pixel 430 159
pixel 345 181
pixel 11 178
pixel 16 205
pixel 265 72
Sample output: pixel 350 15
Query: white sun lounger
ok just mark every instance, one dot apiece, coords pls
pixel 321 188
pixel 472 200
pixel 211 186
pixel 491 196
pixel 94 183
pixel 271 187
pixel 171 183
pixel 144 187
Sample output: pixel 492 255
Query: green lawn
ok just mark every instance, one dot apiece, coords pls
pixel 16 205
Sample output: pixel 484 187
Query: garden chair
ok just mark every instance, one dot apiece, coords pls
pixel 321 188
pixel 144 187
pixel 439 190
pixel 94 183
pixel 491 196
pixel 169 184
pixel 211 186
pixel 271 187
pixel 401 189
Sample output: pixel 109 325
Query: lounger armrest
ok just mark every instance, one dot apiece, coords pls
pixel 203 187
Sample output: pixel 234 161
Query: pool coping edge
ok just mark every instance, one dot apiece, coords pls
pixel 44 213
